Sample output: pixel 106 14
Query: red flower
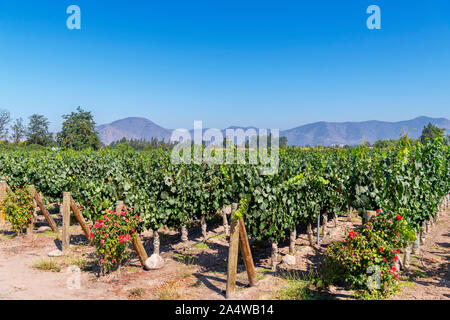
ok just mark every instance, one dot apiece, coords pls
pixel 381 248
pixel 396 258
pixel 393 269
pixel 384 259
pixel 399 217
pixel 397 276
pixel 351 234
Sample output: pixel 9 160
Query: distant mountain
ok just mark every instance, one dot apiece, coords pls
pixel 351 133
pixel 132 128
pixel 323 133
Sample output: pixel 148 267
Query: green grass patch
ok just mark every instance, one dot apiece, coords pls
pixel 183 258
pixel 306 286
pixel 201 245
pixel 419 274
pixel 47 264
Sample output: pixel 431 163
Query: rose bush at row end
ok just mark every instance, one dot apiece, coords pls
pixel 112 234
pixel 366 258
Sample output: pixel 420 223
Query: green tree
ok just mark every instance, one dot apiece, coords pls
pixel 18 130
pixel 4 120
pixel 78 131
pixel 431 132
pixel 37 130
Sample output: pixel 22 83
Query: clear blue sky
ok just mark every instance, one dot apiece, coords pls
pixel 274 64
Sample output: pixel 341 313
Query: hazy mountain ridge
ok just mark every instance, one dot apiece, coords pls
pixel 323 133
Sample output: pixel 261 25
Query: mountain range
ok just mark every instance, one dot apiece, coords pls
pixel 323 133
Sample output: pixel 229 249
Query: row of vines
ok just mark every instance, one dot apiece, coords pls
pixel 410 180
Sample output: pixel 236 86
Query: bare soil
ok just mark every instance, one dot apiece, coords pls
pixel 197 271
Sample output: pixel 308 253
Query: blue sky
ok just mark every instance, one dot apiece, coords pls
pixel 273 64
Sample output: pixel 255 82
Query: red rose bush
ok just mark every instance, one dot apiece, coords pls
pixel 112 235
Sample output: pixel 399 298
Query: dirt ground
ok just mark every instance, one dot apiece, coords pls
pixel 197 271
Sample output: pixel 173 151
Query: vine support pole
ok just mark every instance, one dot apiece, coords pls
pixel 225 222
pixel 239 239
pixel 66 222
pixel 232 258
pixel 80 219
pixel 247 254
pixel 140 250
pixel 44 211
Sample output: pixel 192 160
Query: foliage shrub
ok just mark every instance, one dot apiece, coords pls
pixel 366 258
pixel 18 207
pixel 112 234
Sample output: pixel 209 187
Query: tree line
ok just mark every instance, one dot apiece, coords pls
pixel 78 133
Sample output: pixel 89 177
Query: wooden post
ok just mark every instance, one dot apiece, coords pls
pixel 233 257
pixel 225 222
pixel 247 254
pixel 80 219
pixel 140 250
pixel 44 211
pixel 66 222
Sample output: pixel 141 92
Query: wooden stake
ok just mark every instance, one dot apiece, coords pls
pixel 140 250
pixel 44 211
pixel 247 254
pixel 80 219
pixel 225 222
pixel 66 222
pixel 232 257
